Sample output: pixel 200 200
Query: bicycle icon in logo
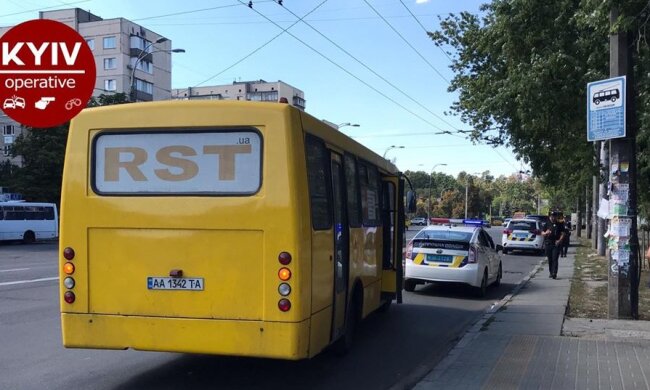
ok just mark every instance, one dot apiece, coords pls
pixel 72 103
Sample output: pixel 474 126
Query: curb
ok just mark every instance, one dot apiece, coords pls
pixel 475 329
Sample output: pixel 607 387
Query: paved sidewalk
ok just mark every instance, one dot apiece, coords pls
pixel 519 345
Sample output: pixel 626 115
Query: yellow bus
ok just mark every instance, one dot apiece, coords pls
pixel 223 227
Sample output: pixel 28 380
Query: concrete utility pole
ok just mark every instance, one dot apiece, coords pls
pixel 623 293
pixel 602 190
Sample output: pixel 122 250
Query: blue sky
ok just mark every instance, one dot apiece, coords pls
pixel 220 33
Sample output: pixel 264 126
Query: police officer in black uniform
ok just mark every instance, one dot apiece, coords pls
pixel 553 234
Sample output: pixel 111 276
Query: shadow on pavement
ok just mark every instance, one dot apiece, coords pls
pixel 388 347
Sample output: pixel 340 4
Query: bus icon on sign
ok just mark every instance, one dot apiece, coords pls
pixel 608 94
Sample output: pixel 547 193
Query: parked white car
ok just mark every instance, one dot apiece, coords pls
pixel 419 221
pixel 453 254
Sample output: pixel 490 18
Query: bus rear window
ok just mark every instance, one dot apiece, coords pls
pixel 177 163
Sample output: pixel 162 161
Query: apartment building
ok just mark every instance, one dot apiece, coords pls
pixel 129 58
pixel 258 90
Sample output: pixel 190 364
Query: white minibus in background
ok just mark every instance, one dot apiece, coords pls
pixel 28 221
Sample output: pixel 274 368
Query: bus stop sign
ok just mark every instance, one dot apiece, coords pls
pixel 606 109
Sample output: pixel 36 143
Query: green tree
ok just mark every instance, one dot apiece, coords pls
pixel 521 69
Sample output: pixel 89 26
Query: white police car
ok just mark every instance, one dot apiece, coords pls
pixel 453 254
pixel 523 235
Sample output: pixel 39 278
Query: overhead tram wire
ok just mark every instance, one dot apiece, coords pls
pixel 407 42
pixel 372 71
pixel 194 11
pixel 424 28
pixel 42 8
pixel 345 70
pixel 285 30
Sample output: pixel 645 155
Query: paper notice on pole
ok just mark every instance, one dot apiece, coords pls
pixel 603 209
pixel 621 256
pixel 620 193
pixel 616 209
pixel 620 227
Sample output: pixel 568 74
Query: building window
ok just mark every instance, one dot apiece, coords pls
pixel 137 42
pixel 6 150
pixel 110 63
pixel 91 43
pixel 144 86
pixel 110 43
pixel 143 65
pixel 9 130
pixel 110 85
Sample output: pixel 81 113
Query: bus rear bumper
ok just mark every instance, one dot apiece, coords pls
pixel 279 340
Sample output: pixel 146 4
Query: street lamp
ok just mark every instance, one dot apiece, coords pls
pixel 142 55
pixel 429 199
pixel 347 124
pixel 391 148
pixel 467 191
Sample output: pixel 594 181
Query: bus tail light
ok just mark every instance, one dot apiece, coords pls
pixel 68 268
pixel 69 297
pixel 284 274
pixel 284 258
pixel 68 253
pixel 68 282
pixel 284 289
pixel 284 304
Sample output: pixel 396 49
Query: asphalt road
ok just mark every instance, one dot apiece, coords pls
pixel 391 348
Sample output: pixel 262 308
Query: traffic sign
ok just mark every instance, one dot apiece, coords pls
pixel 606 109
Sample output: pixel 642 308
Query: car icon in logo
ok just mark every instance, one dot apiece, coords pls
pixel 439 251
pixel 13 102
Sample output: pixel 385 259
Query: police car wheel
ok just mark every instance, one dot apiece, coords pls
pixel 499 276
pixel 482 290
pixel 409 285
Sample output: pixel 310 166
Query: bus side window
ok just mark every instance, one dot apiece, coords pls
pixel 49 213
pixel 352 184
pixel 319 179
pixel 2 213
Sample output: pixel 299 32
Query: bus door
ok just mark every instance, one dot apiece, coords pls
pixel 341 247
pixel 393 221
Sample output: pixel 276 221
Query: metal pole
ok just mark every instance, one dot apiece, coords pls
pixel 602 190
pixel 594 206
pixel 466 192
pixel 587 213
pixel 429 199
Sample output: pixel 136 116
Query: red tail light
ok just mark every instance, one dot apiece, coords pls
pixel 472 258
pixel 409 250
pixel 68 253
pixel 68 296
pixel 507 231
pixel 284 304
pixel 284 258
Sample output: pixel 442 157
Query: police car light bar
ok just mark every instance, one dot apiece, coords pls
pixel 474 222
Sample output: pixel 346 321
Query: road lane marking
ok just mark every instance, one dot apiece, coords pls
pixel 13 269
pixel 29 281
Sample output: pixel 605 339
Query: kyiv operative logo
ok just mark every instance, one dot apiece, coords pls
pixel 47 73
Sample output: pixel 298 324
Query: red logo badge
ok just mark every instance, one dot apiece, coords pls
pixel 47 73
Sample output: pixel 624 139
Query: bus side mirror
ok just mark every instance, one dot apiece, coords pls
pixel 499 248
pixel 410 202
